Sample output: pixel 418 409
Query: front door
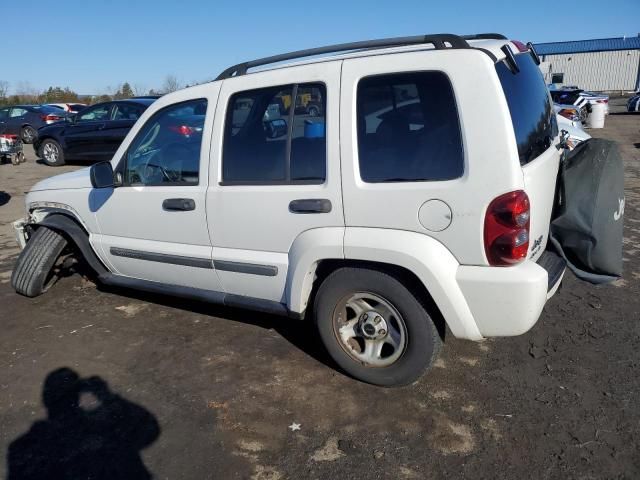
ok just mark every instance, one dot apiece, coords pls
pixel 154 226
pixel 276 175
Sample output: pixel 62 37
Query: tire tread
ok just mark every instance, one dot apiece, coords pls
pixel 36 260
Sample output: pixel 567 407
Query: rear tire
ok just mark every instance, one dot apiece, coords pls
pixel 28 134
pixel 32 271
pixel 358 309
pixel 51 153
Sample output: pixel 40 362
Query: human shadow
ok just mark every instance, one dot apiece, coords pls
pixel 4 198
pixel 90 433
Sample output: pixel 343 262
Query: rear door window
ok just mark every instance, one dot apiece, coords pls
pixel 273 138
pixel 18 112
pixel 408 128
pixel 532 114
pixel 95 114
pixel 124 111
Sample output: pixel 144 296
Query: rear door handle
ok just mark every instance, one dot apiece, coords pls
pixel 179 204
pixel 310 205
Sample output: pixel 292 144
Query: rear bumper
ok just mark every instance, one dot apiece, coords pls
pixel 508 301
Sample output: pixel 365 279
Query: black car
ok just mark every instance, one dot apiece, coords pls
pixel 25 120
pixel 94 134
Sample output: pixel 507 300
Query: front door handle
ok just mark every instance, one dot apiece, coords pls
pixel 310 205
pixel 179 204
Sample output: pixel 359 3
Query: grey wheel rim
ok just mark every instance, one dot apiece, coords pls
pixel 28 134
pixel 370 329
pixel 50 152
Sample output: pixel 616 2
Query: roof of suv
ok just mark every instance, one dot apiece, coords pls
pixel 490 43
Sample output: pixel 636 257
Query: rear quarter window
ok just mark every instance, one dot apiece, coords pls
pixel 408 128
pixel 532 114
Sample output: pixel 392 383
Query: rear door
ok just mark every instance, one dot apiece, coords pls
pixel 123 116
pixel 17 118
pixel 536 130
pixel 275 174
pixel 85 137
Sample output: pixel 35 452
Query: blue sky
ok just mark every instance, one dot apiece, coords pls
pixel 91 45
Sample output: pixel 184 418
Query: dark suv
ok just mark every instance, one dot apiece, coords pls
pixel 25 120
pixel 93 134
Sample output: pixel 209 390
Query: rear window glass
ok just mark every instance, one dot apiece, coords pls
pixel 532 114
pixel 408 128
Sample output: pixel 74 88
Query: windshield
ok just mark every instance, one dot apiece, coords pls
pixel 532 115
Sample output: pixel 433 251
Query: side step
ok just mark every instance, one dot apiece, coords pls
pixel 219 298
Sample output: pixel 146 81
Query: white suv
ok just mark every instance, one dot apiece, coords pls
pixel 418 193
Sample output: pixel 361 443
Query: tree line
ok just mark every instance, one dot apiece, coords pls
pixel 23 93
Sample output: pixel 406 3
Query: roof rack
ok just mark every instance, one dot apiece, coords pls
pixel 440 41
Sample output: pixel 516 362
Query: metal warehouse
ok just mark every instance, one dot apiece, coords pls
pixel 605 64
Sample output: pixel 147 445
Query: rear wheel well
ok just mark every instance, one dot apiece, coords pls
pixel 404 275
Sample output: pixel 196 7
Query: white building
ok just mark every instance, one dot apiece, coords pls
pixel 606 64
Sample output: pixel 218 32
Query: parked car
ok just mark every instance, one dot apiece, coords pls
pixel 575 130
pixel 94 134
pixel 406 208
pixel 25 120
pixel 633 104
pixel 579 98
pixel 68 107
pixel 571 112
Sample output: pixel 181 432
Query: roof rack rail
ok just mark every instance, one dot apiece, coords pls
pixel 440 41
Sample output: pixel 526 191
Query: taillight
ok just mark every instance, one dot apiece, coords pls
pixel 569 113
pixel 506 229
pixel 10 136
pixel 520 46
pixel 50 118
pixel 183 130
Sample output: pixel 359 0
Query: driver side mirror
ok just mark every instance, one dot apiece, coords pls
pixel 101 175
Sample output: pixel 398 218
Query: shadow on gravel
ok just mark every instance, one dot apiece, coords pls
pixel 299 333
pixel 4 198
pixel 90 432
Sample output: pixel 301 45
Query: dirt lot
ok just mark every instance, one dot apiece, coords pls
pixel 205 392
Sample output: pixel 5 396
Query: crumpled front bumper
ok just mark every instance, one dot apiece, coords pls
pixel 20 232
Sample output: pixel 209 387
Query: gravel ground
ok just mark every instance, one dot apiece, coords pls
pixel 190 390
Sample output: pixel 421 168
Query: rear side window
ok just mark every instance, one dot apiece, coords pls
pixel 408 128
pixel 532 115
pixel 18 112
pixel 276 135
pixel 123 111
pixel 97 113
